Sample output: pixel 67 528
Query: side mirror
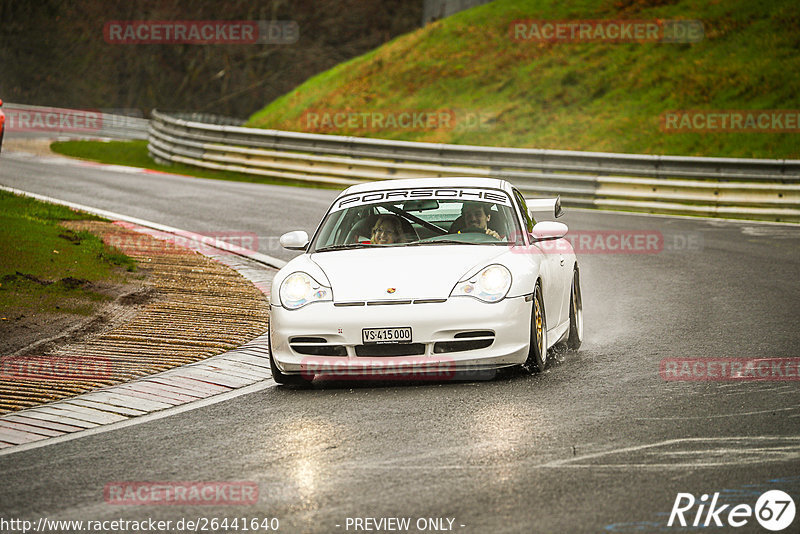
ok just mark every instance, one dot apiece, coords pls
pixel 544 208
pixel 549 230
pixel 296 240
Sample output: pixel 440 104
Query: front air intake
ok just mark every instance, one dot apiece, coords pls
pixel 316 346
pixel 464 341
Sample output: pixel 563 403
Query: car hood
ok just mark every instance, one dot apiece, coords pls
pixel 423 272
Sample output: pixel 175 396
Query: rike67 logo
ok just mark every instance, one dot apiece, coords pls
pixel 774 510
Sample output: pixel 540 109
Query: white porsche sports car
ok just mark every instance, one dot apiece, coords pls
pixel 421 278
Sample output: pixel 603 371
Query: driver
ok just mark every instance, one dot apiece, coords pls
pixel 387 229
pixel 477 215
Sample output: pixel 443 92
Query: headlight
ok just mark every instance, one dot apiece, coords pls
pixel 299 289
pixel 489 285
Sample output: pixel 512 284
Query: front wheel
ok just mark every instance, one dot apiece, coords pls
pixel 575 313
pixel 537 353
pixel 280 377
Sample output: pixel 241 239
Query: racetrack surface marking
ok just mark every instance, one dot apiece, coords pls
pixel 716 416
pixel 680 453
pixel 694 452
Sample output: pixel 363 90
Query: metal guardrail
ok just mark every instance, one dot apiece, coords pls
pixel 764 189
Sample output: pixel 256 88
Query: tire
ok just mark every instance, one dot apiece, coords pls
pixel 537 353
pixel 280 377
pixel 575 313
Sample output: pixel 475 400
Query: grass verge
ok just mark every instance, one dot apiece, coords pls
pixel 596 96
pixel 46 268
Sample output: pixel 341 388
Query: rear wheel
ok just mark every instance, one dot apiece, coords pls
pixel 280 377
pixel 537 353
pixel 575 313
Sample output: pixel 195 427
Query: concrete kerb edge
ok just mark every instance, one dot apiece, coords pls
pixel 163 412
pixel 152 416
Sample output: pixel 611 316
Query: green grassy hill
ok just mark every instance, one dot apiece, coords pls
pixel 599 96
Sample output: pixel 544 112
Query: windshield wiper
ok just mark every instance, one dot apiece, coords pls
pixel 345 246
pixel 459 242
pixel 445 242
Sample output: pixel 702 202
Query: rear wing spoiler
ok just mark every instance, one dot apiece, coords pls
pixel 544 208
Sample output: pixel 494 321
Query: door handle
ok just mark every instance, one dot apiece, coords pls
pixel 562 262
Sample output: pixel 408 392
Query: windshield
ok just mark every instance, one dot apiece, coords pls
pixel 416 217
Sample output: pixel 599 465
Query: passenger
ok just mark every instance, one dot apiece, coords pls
pixel 388 229
pixel 477 215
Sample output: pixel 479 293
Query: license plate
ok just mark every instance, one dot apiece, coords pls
pixel 386 335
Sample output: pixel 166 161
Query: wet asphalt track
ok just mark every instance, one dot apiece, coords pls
pixel 599 442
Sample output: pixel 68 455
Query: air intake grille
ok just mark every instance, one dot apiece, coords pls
pixel 316 346
pixel 473 340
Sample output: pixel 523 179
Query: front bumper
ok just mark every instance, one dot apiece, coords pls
pixel 322 338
